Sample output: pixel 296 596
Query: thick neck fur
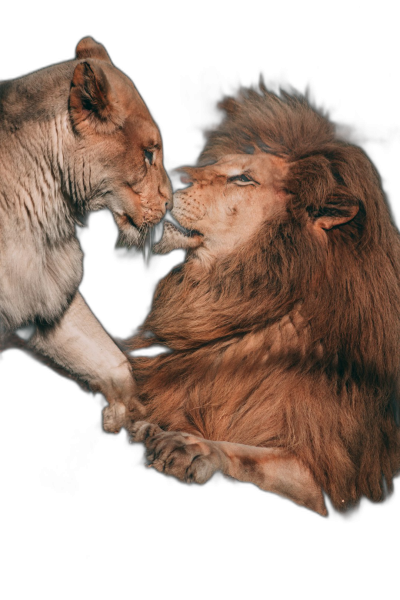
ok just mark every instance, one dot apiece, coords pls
pixel 36 139
pixel 243 292
pixel 286 270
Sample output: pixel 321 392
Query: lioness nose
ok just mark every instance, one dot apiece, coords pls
pixel 169 205
pixel 166 192
pixel 180 180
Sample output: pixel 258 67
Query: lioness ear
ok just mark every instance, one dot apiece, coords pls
pixel 89 48
pixel 328 221
pixel 91 104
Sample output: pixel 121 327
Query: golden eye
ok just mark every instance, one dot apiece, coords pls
pixel 149 156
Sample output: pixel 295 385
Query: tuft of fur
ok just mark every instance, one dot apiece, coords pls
pixel 293 341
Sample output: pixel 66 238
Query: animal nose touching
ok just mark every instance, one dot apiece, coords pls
pixel 153 213
pixel 282 322
pixel 166 195
pixel 166 200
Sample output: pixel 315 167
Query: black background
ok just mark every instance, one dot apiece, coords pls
pixel 69 489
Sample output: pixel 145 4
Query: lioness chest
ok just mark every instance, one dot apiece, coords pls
pixel 37 280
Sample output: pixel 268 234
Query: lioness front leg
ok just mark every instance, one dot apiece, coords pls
pixel 191 458
pixel 80 345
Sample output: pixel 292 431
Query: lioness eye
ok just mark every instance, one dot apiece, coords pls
pixel 149 156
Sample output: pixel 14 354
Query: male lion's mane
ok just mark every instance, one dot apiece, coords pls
pixel 333 400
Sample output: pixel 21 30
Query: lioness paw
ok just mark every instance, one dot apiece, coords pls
pixel 118 415
pixel 114 416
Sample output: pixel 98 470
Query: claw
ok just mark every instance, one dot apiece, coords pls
pixel 142 431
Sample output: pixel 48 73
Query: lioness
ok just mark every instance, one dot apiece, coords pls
pixel 284 320
pixel 75 137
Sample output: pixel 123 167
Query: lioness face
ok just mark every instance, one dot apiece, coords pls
pixel 120 149
pixel 142 191
pixel 228 201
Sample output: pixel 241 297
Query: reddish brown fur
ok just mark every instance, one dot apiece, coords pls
pixel 327 391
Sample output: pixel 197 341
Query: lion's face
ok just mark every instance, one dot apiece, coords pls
pixel 226 203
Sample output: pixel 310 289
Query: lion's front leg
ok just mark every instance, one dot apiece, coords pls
pixel 191 458
pixel 185 456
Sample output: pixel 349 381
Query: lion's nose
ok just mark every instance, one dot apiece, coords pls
pixel 180 180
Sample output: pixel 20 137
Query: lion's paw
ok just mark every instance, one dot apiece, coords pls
pixel 186 457
pixel 142 430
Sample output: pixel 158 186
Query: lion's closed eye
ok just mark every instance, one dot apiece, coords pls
pixel 242 179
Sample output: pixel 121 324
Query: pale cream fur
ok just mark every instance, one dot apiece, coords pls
pixel 73 137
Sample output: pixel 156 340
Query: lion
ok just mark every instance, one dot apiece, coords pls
pixel 75 137
pixel 283 323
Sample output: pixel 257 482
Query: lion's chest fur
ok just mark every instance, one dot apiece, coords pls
pixel 217 384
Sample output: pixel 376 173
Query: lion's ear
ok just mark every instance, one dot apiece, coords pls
pixel 91 104
pixel 89 48
pixel 336 217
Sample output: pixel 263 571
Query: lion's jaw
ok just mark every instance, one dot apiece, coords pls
pixel 225 205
